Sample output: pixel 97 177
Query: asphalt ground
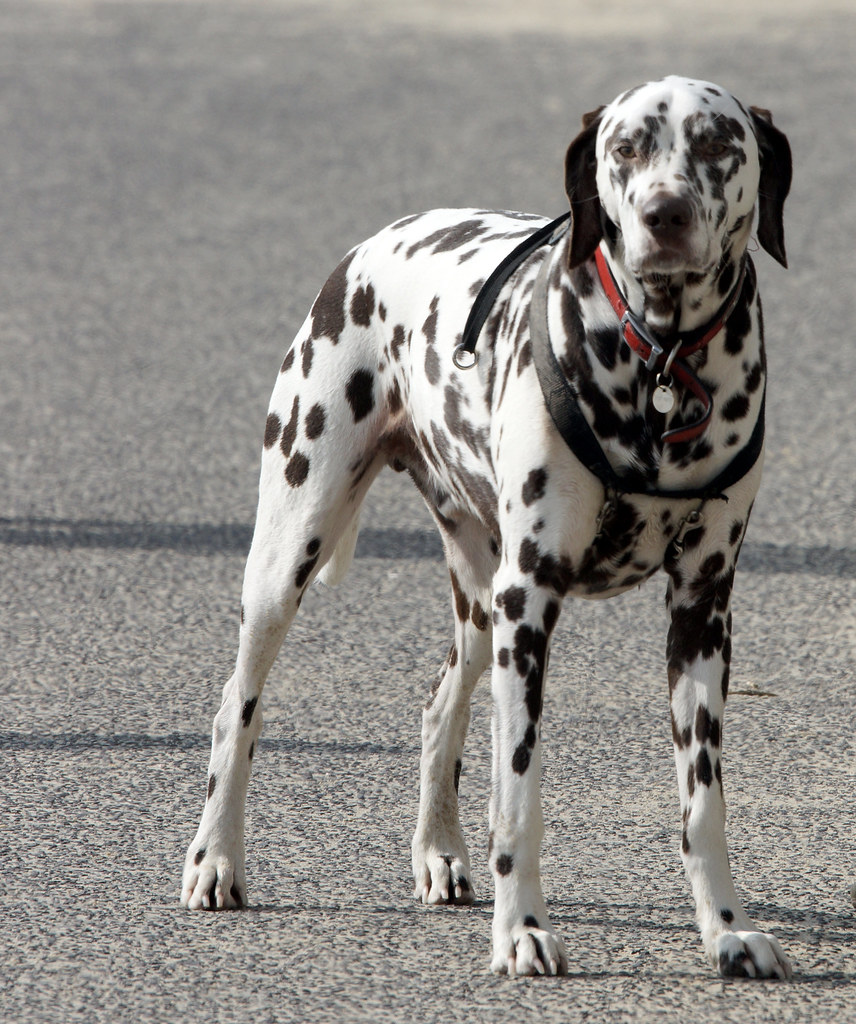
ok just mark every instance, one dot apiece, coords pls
pixel 176 181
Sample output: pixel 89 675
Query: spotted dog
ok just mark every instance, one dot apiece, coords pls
pixel 641 451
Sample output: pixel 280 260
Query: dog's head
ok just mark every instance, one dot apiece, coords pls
pixel 671 171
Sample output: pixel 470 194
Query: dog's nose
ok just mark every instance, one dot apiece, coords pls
pixel 665 213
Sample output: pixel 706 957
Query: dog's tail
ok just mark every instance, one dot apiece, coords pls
pixel 336 568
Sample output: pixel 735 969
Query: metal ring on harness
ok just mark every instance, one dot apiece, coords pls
pixel 464 358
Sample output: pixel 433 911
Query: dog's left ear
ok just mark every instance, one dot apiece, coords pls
pixel 774 185
pixel 581 186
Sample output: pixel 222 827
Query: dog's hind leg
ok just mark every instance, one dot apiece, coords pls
pixel 322 450
pixel 441 865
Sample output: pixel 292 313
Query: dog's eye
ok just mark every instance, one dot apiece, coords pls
pixel 626 151
pixel 714 150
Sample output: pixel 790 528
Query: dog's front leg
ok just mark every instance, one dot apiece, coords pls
pixel 699 654
pixel 523 940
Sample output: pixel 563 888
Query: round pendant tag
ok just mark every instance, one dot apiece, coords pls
pixel 663 399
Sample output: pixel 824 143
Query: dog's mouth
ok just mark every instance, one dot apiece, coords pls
pixel 663 263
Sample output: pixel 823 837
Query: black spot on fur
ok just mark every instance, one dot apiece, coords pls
pixel 212 782
pixel 706 727
pixel 582 281
pixel 535 486
pixel 713 587
pixel 272 429
pixel 735 408
pixel 551 616
pixel 503 657
pixel 297 469
pixel 304 572
pixel 360 393
pixel 288 362
pixel 458 424
pixel 504 864
pixel 513 602
pixel 458 768
pixel 432 366
pixel 481 619
pixel 328 310
pixel 548 571
pixel 520 759
pixel 308 355
pixel 726 915
pixel 398 339
pixel 530 659
pixel 459 236
pixel 693 538
pixel 315 420
pixel 604 345
pixel 248 710
pixel 739 323
pixel 289 431
pixel 363 306
pixel 252 750
pixel 530 921
pixel 429 327
pixel 394 401
pixel 692 635
pixel 462 604
pixel 200 856
pixel 753 378
pixel 704 769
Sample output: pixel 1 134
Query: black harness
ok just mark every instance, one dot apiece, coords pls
pixel 558 394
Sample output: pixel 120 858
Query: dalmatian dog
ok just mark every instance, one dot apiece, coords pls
pixel 607 422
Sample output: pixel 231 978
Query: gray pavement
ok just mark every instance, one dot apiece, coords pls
pixel 176 181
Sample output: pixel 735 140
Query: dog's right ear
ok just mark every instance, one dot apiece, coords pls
pixel 581 187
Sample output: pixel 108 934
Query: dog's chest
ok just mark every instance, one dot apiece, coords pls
pixel 630 545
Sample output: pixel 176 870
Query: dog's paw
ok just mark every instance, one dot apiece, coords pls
pixel 748 954
pixel 212 881
pixel 528 949
pixel 442 878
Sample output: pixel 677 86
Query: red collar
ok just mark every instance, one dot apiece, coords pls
pixel 653 354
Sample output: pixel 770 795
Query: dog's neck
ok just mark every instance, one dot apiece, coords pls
pixel 676 303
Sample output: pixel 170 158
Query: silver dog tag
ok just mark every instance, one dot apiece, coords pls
pixel 663 398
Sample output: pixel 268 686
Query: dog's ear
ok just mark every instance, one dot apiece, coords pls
pixel 774 185
pixel 581 186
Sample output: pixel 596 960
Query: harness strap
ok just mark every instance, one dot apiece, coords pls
pixel 465 354
pixel 581 439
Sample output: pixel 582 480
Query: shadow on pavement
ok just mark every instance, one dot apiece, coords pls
pixel 389 542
